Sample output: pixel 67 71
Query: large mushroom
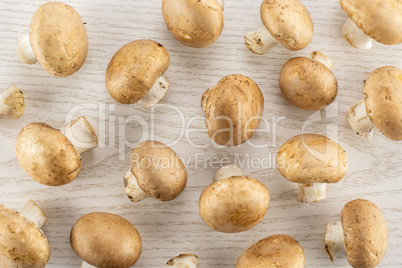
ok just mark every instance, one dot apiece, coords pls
pixel 380 20
pixel 135 73
pixel 194 23
pixel 233 203
pixel 361 235
pixel 51 156
pixel 381 107
pixel 12 102
pixel 233 109
pixel 312 161
pixel 57 39
pixel 285 21
pixel 183 261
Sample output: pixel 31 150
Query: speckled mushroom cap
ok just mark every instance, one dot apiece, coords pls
pixel 273 251
pixel 312 158
pixel 22 244
pixel 365 233
pixel 158 170
pixel 134 70
pixel 193 23
pixel 289 22
pixel 308 84
pixel 234 204
pixel 58 38
pixel 106 240
pixel 383 100
pixel 234 105
pixel 379 19
pixel 46 155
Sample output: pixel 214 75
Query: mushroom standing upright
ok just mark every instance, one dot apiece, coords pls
pixel 57 39
pixel 312 161
pixel 12 102
pixel 183 261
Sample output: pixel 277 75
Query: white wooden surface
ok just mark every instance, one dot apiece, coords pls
pixel 171 228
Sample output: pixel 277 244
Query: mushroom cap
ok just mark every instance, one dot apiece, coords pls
pixel 383 100
pixel 312 158
pixel 106 240
pixel 365 233
pixel 134 70
pixel 46 155
pixel 273 251
pixel 379 19
pixel 234 204
pixel 58 38
pixel 193 23
pixel 158 170
pixel 22 244
pixel 233 110
pixel 308 84
pixel 288 21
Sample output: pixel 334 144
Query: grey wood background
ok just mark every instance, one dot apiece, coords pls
pixel 171 228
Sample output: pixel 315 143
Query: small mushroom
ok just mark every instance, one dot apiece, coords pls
pixel 233 203
pixel 285 21
pixel 308 83
pixel 381 107
pixel 273 251
pixel 380 20
pixel 194 23
pixel 361 235
pixel 233 109
pixel 135 73
pixel 156 171
pixel 22 242
pixel 57 39
pixel 51 156
pixel 183 261
pixel 12 102
pixel 104 239
pixel 312 161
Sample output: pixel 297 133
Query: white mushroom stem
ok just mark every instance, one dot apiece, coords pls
pixel 32 212
pixel 334 241
pixel 226 172
pixel 324 59
pixel 183 261
pixel 222 4
pixel 12 102
pixel 359 120
pixel 87 265
pixel 313 192
pixel 260 41
pixel 156 93
pixel 355 36
pixel 24 50
pixel 133 190
pixel 81 134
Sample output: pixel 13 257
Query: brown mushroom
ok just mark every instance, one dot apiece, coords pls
pixel 183 261
pixel 12 102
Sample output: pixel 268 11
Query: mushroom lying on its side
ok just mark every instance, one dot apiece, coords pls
pixel 12 102
pixel 183 261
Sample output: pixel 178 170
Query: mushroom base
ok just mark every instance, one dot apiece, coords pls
pixel 260 41
pixel 308 193
pixel 226 172
pixel 33 213
pixel 324 59
pixel 133 190
pixel 334 241
pixel 87 265
pixel 156 93
pixel 359 120
pixel 81 134
pixel 24 50
pixel 183 261
pixel 355 36
pixel 12 102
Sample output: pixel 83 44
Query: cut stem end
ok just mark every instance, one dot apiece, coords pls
pixel 313 192
pixel 183 261
pixel 81 134
pixel 260 41
pixel 32 212
pixel 156 93
pixel 12 102
pixel 359 120
pixel 24 50
pixel 321 57
pixel 226 172
pixel 355 36
pixel 133 190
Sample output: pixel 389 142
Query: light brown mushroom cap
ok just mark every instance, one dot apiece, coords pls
pixel 159 170
pixel 288 21
pixel 193 23
pixel 234 204
pixel 22 244
pixel 234 105
pixel 383 100
pixel 365 233
pixel 308 84
pixel 106 240
pixel 273 251
pixel 379 19
pixel 58 38
pixel 312 158
pixel 46 155
pixel 134 70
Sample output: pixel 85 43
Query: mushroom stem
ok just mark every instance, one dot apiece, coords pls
pixel 24 50
pixel 156 93
pixel 205 98
pixel 359 120
pixel 355 36
pixel 313 192
pixel 81 134
pixel 87 265
pixel 12 102
pixel 226 172
pixel 222 4
pixel 133 190
pixel 334 241
pixel 324 59
pixel 183 261
pixel 32 212
pixel 260 41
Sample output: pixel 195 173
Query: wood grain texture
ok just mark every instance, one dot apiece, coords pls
pixel 171 228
